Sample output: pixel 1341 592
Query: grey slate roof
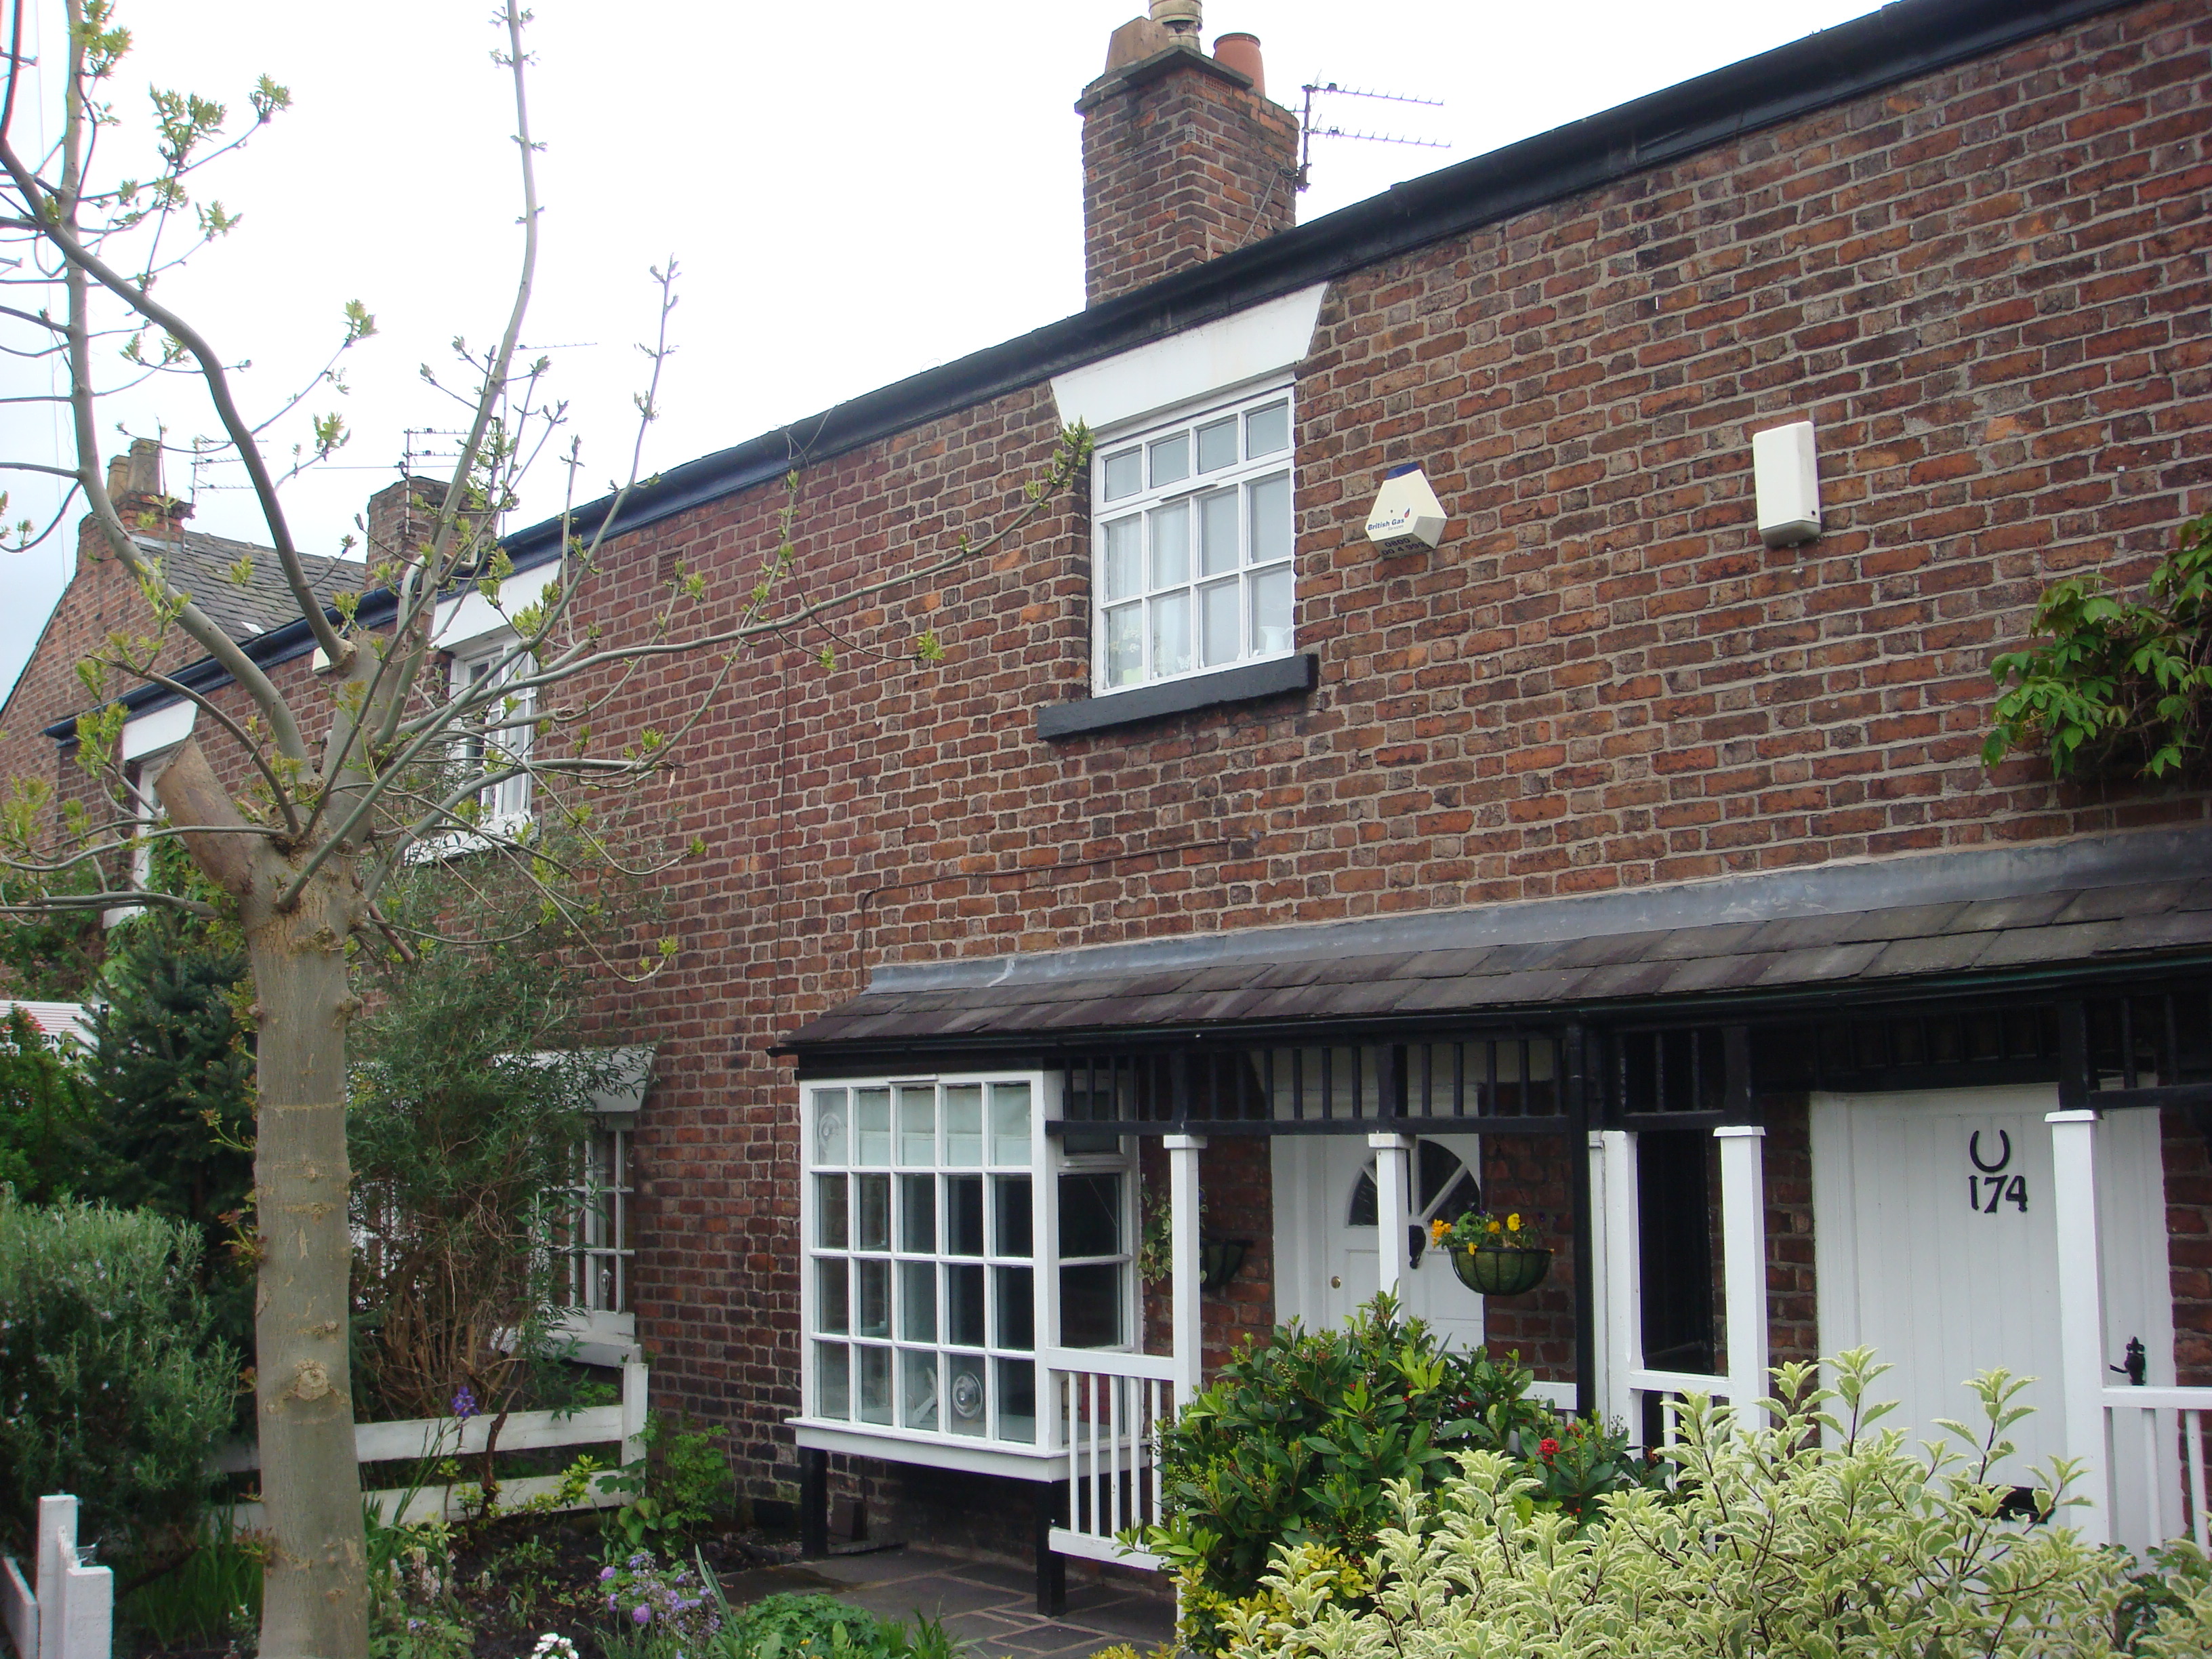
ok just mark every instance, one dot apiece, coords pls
pixel 2148 920
pixel 201 565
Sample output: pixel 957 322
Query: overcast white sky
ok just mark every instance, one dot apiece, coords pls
pixel 853 192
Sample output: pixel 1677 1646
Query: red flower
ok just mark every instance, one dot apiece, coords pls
pixel 1548 1446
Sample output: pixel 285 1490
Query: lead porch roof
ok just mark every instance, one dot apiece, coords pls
pixel 2092 905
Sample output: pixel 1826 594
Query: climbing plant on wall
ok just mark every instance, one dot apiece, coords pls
pixel 2113 686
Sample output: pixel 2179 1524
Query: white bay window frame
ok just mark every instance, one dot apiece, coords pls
pixel 910 1335
pixel 1192 540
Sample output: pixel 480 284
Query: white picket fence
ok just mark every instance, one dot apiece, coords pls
pixel 429 1439
pixel 1104 1410
pixel 68 1611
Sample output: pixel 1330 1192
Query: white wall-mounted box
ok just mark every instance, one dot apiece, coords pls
pixel 1785 476
pixel 1406 516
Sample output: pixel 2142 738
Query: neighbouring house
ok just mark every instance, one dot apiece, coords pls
pixel 1618 858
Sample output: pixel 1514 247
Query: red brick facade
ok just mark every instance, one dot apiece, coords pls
pixel 1988 288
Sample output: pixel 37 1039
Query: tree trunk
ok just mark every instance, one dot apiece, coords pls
pixel 314 1600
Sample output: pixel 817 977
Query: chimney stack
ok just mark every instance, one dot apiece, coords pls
pixel 1184 158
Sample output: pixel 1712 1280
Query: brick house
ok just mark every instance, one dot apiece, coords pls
pixel 1611 861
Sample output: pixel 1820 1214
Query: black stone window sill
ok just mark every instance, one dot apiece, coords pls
pixel 1254 680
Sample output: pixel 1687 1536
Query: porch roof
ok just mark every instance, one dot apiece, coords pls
pixel 1860 952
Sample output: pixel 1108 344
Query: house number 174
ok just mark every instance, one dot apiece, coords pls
pixel 1993 1186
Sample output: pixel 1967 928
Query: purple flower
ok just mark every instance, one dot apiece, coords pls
pixel 464 1402
pixel 642 1615
pixel 614 1604
pixel 606 1573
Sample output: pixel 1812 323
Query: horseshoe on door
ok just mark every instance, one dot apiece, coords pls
pixel 1974 1152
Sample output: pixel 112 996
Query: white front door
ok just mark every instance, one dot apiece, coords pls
pixel 1325 1242
pixel 1935 1244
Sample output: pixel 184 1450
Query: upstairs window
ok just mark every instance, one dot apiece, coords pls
pixel 495 736
pixel 1192 544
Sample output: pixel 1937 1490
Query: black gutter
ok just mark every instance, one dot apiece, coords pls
pixel 1900 42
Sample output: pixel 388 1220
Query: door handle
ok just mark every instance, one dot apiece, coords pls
pixel 1336 1281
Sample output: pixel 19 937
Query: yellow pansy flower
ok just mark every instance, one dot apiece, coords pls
pixel 1513 1222
pixel 1437 1229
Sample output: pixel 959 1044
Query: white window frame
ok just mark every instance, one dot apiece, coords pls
pixel 600 1246
pixel 505 808
pixel 1156 610
pixel 994 1447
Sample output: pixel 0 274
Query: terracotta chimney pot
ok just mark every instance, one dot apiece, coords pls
pixel 1242 53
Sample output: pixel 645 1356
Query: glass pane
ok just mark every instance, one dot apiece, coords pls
pixel 1090 1306
pixel 1219 609
pixel 963 1215
pixel 1438 1164
pixel 1271 611
pixel 967 1396
pixel 918 1214
pixel 833 1312
pixel 829 1212
pixel 874 1232
pixel 1218 551
pixel 1170 531
pixel 918 1389
pixel 1125 474
pixel 917 1115
pixel 1217 445
pixel 1171 633
pixel 1012 1193
pixel 875 1385
pixel 875 1278
pixel 1089 1215
pixel 1010 1123
pixel 872 1125
pixel 1364 1202
pixel 1125 569
pixel 1016 1291
pixel 1017 1401
pixel 1125 646
pixel 829 1126
pixel 833 1379
pixel 964 1304
pixel 918 1301
pixel 1271 519
pixel 1267 430
pixel 1171 459
pixel 964 1126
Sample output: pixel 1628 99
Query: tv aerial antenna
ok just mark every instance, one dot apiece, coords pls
pixel 1307 131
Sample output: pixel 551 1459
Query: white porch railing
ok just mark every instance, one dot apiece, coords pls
pixel 1104 1411
pixel 68 1611
pixel 424 1439
pixel 2157 1440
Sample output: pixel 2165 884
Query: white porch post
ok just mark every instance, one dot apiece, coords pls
pixel 1186 1269
pixel 2080 1314
pixel 1391 1207
pixel 1743 1266
pixel 1620 1292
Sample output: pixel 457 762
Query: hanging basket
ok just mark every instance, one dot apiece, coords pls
pixel 1500 1272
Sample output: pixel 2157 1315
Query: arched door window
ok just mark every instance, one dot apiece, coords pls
pixel 1446 1189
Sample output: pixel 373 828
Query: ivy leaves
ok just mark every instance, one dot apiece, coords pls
pixel 2121 686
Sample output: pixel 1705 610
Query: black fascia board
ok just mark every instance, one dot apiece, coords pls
pixel 1898 43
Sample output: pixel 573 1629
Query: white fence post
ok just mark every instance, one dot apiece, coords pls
pixel 76 1616
pixel 1186 1269
pixel 1390 1208
pixel 2081 1314
pixel 632 1410
pixel 1620 1292
pixel 1743 1266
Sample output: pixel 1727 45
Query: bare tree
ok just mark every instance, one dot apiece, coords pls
pixel 381 757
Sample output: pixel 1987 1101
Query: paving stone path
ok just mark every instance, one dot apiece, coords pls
pixel 992 1608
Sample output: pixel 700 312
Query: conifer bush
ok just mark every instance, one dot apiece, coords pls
pixel 111 1386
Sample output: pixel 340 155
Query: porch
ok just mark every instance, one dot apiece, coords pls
pixel 1748 1138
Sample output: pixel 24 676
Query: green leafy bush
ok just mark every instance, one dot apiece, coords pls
pixel 1775 1542
pixel 48 1134
pixel 1298 1438
pixel 788 1627
pixel 2123 684
pixel 111 1386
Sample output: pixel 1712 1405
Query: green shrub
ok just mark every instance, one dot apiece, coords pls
pixel 789 1626
pixel 1776 1542
pixel 110 1385
pixel 1297 1437
pixel 49 1140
